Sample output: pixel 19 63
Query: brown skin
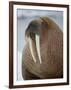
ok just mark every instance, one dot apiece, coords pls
pixel 51 47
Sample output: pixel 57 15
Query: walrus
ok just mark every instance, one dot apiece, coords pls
pixel 42 56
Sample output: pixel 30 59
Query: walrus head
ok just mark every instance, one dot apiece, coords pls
pixel 35 31
pixel 33 34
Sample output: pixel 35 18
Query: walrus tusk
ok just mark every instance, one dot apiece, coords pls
pixel 35 48
pixel 32 48
pixel 37 37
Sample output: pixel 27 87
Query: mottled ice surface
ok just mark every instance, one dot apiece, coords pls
pixel 23 19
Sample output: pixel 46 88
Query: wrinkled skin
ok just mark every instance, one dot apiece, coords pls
pixel 51 49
